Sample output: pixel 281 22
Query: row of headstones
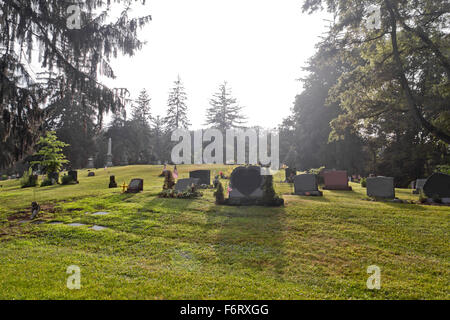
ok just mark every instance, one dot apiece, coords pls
pixel 437 185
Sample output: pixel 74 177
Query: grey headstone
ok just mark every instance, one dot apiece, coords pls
pixel 418 185
pixel 380 187
pixel 203 175
pixel 306 184
pixel 135 186
pixel 438 184
pixel 183 184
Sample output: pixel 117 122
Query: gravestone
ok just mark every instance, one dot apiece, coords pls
pixel 109 155
pixel 91 174
pixel 246 185
pixel 380 187
pixel 418 185
pixel 183 184
pixel 90 164
pixel 54 176
pixel 112 182
pixel 336 180
pixel 74 175
pixel 306 185
pixel 437 185
pixel 290 174
pixel 203 175
pixel 135 186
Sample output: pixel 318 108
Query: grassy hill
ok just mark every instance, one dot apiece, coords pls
pixel 313 248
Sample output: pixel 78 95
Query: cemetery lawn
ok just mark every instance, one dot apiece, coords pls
pixel 313 248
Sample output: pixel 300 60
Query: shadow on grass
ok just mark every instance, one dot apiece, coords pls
pixel 250 237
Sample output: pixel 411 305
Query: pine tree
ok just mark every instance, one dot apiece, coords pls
pixel 177 108
pixel 224 113
pixel 69 59
pixel 140 111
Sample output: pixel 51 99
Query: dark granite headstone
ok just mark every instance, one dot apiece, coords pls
pixel 91 174
pixel 74 175
pixel 112 182
pixel 336 180
pixel 54 176
pixel 246 185
pixel 418 185
pixel 380 187
pixel 306 185
pixel 438 184
pixel 135 186
pixel 203 175
pixel 183 184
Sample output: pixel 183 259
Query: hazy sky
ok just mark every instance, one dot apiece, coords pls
pixel 257 46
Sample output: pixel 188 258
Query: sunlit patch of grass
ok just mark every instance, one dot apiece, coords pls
pixel 313 248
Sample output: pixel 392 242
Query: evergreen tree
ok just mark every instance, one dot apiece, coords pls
pixel 70 59
pixel 177 108
pixel 141 109
pixel 224 113
pixel 50 153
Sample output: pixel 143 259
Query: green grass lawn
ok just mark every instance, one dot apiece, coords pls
pixel 312 248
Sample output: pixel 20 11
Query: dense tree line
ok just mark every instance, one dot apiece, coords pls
pixel 376 101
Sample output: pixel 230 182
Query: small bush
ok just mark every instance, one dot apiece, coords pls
pixel 436 199
pixel 189 193
pixel 169 181
pixel 29 180
pixel 270 198
pixel 219 194
pixel 445 168
pixel 363 182
pixel 47 182
pixel 422 197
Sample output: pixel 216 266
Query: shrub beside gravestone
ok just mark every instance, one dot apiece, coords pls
pixel 29 180
pixel 270 198
pixel 219 194
pixel 169 181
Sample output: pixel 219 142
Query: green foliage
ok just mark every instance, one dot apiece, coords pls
pixel 219 194
pixel 364 182
pixel 225 112
pixel 169 181
pixel 270 198
pixel 68 58
pixel 176 107
pixel 47 182
pixel 443 169
pixel 50 153
pixel 28 180
pixel 422 197
pixel 189 193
